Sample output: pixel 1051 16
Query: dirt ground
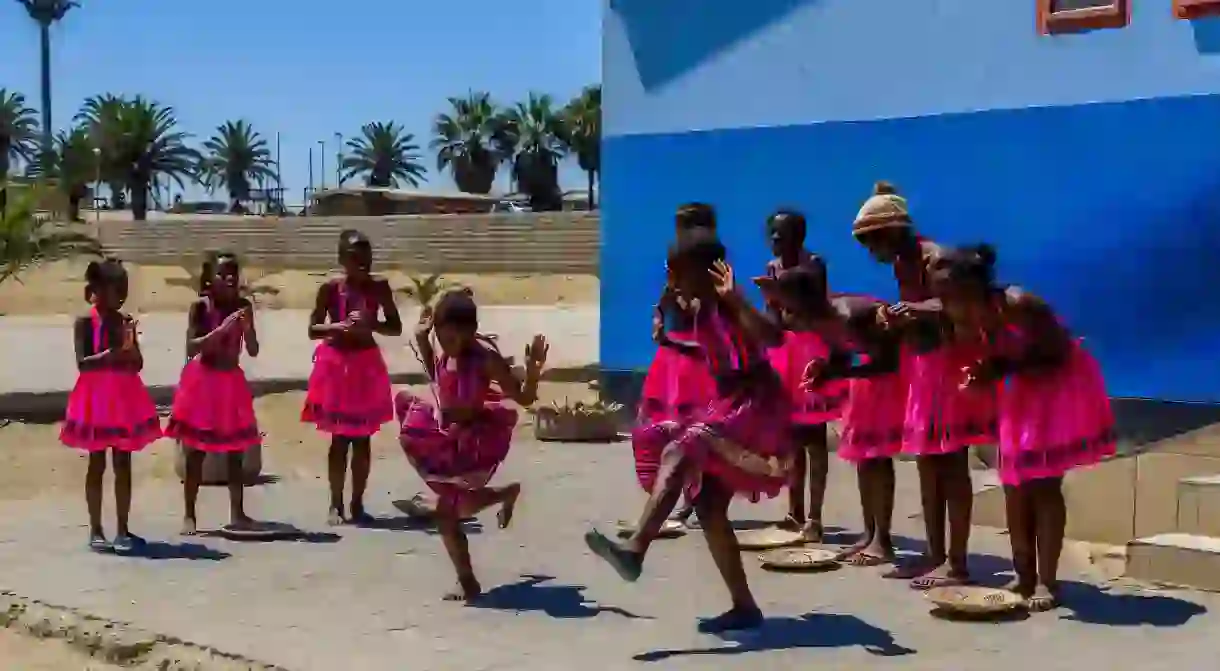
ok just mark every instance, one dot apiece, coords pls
pixel 34 463
pixel 56 288
pixel 23 653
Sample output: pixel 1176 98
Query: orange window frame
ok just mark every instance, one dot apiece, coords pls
pixel 1115 15
pixel 1195 9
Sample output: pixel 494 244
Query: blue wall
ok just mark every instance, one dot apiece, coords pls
pixel 1092 161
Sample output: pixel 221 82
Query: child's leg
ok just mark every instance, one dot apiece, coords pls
pixel 1018 509
pixel 336 472
pixel 190 489
pixel 880 549
pixel 237 490
pixel 932 502
pixel 1050 523
pixel 713 506
pixel 796 484
pixel 121 461
pixel 449 523
pixel 865 482
pixel 813 440
pixel 954 485
pixel 93 493
pixel 362 464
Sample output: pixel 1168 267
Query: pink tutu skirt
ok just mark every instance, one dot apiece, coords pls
pixel 940 416
pixel 213 410
pixel 872 420
pixel 349 392
pixel 1055 421
pixel 744 442
pixel 809 407
pixel 455 459
pixel 110 408
pixel 678 388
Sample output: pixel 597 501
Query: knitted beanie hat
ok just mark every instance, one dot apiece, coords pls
pixel 884 209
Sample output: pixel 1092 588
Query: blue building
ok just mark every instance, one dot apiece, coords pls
pixel 1084 143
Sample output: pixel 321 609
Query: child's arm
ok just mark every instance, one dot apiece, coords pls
pixel 251 334
pixel 133 358
pixel 83 342
pixel 392 324
pixel 523 392
pixel 198 338
pixel 423 342
pixel 318 328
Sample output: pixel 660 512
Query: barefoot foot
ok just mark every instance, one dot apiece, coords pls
pixel 942 576
pixel 189 527
pixel 915 569
pixel 812 532
pixel 791 523
pixel 737 619
pixel 359 516
pixel 629 565
pixel 875 554
pixel 854 549
pixel 1043 599
pixel 467 590
pixel 1023 589
pixel 504 517
pixel 335 517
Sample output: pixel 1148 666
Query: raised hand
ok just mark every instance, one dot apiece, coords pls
pixel 814 374
pixel 535 353
pixel 424 326
pixel 722 279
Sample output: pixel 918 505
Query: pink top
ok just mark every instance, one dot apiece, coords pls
pixel 462 381
pixel 727 349
pixel 99 333
pixel 212 320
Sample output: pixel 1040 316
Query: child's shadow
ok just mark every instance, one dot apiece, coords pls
pixel 470 526
pixel 1092 604
pixel 558 601
pixel 161 550
pixel 811 630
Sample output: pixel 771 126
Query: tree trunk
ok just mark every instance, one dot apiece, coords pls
pixel 74 207
pixel 45 52
pixel 139 201
pixel 118 195
pixel 473 178
pixel 592 176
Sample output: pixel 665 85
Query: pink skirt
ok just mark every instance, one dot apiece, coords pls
pixel 678 388
pixel 349 392
pixel 809 407
pixel 744 442
pixel 213 410
pixel 872 420
pixel 456 459
pixel 110 408
pixel 940 416
pixel 1053 422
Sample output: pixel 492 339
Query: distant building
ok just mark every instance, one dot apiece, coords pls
pixel 359 202
pixel 1081 137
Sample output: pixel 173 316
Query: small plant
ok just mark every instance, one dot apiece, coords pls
pixel 28 239
pixel 424 290
pixel 580 409
pixel 579 421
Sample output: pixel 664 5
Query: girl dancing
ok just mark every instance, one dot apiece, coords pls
pixel 109 408
pixel 457 443
pixel 1054 411
pixel 738 444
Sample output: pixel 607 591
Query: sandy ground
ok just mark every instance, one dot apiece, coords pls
pixel 56 288
pixel 22 653
pixel 33 462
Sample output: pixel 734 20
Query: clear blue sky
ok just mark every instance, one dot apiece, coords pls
pixel 309 68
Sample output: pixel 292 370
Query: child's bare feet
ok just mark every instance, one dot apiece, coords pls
pixel 1043 599
pixel 874 554
pixel 189 527
pixel 1023 589
pixel 942 576
pixel 854 549
pixel 241 522
pixel 791 523
pixel 359 515
pixel 812 532
pixel 505 515
pixel 916 568
pixel 335 517
pixel 468 589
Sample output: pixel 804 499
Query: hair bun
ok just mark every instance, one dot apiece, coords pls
pixel 986 253
pixel 884 188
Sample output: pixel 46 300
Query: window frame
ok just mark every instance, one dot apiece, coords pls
pixel 1116 15
pixel 1195 9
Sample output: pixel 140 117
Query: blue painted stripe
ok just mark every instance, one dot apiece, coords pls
pixel 1110 211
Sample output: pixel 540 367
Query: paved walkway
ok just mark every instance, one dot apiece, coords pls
pixel 36 352
pixel 369 598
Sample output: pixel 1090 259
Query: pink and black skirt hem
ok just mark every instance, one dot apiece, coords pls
pixel 350 394
pixel 210 440
pixel 128 439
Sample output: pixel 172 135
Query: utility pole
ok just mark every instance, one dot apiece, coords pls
pixel 309 191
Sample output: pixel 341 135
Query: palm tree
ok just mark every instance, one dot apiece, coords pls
pixel 583 134
pixel 469 140
pixel 148 146
pixel 27 239
pixel 100 115
pixel 385 155
pixel 45 13
pixel 73 166
pixel 534 132
pixel 17 130
pixel 235 157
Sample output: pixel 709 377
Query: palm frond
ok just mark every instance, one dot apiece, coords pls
pixel 28 240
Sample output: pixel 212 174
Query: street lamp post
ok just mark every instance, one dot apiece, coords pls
pixel 339 160
pixel 322 163
pixel 309 191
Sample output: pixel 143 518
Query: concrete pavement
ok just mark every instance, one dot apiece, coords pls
pixel 368 599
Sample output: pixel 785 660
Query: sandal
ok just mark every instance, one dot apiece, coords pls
pixel 865 560
pixel 100 544
pixel 128 543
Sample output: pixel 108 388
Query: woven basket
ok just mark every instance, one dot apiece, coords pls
pixel 974 600
pixel 551 424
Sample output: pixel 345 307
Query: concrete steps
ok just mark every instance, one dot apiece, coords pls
pixel 1189 556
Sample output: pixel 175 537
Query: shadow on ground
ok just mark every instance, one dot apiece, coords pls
pixel 1094 605
pixel 536 593
pixel 161 550
pixel 811 630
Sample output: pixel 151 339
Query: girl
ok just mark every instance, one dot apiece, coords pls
pixel 786 232
pixel 213 407
pixel 738 444
pixel 866 352
pixel 349 393
pixel 678 382
pixel 109 406
pixel 1054 411
pixel 941 420
pixel 457 444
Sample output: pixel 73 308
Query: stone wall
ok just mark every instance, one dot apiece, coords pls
pixel 554 242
